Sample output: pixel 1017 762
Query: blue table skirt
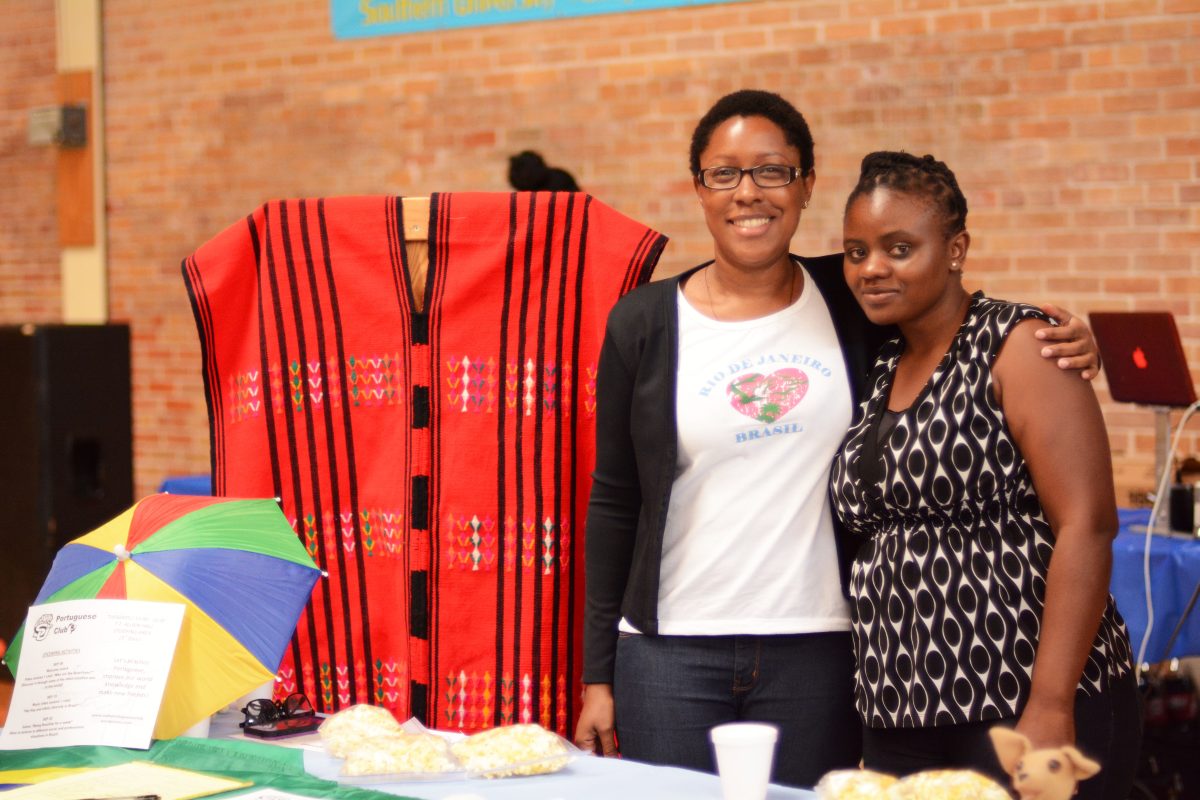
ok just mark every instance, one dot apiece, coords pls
pixel 187 484
pixel 1174 575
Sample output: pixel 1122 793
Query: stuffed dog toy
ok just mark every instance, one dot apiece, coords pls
pixel 1047 774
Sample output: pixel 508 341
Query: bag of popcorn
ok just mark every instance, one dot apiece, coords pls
pixel 944 784
pixel 350 728
pixel 513 750
pixel 853 784
pixel 947 784
pixel 401 754
pixel 377 749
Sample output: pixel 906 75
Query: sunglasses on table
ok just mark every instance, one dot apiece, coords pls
pixel 266 710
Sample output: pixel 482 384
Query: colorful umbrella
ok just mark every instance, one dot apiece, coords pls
pixel 236 565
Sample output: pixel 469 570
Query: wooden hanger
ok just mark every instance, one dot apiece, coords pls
pixel 416 244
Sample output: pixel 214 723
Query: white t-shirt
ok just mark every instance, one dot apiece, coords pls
pixel 762 406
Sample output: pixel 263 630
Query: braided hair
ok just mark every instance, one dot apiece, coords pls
pixel 904 172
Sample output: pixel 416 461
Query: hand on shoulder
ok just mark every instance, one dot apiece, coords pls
pixel 1070 343
pixel 1024 364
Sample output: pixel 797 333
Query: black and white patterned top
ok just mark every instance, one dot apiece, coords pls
pixel 949 587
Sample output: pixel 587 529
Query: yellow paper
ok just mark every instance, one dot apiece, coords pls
pixel 37 774
pixel 133 778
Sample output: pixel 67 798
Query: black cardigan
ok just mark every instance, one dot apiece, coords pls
pixel 636 444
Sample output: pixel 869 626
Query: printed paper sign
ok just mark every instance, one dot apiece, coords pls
pixel 92 672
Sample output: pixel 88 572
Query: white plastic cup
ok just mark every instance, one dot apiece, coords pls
pixel 745 752
pixel 199 730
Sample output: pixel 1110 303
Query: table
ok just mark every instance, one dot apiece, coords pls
pixel 306 772
pixel 1174 574
pixel 585 778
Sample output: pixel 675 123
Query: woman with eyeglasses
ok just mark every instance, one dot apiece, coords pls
pixel 716 572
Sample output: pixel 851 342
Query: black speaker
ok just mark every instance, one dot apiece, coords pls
pixel 66 448
pixel 1181 506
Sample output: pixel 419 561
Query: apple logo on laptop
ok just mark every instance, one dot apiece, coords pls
pixel 1139 358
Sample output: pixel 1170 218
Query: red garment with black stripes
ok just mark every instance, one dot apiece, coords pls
pixel 436 464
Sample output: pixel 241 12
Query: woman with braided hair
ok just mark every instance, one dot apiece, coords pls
pixel 980 595
pixel 715 571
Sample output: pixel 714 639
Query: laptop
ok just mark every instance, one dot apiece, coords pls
pixel 1143 357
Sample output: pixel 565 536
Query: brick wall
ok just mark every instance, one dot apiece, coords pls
pixel 1074 127
pixel 29 270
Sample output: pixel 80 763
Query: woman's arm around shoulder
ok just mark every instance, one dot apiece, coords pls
pixel 1055 420
pixel 1070 343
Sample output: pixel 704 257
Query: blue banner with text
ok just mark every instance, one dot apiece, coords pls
pixel 353 19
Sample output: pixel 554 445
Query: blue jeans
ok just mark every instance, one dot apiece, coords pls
pixel 671 690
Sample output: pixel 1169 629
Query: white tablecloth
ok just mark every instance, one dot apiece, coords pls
pixel 585 778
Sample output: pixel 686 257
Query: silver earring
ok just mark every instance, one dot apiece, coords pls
pixel 805 204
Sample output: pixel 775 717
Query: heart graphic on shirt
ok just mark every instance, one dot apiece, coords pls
pixel 766 398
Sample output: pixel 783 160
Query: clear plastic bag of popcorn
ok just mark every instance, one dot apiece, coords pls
pixel 376 748
pixel 853 784
pixel 947 784
pixel 402 755
pixel 347 730
pixel 513 750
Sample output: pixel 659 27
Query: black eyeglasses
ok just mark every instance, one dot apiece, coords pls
pixel 765 176
pixel 265 710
